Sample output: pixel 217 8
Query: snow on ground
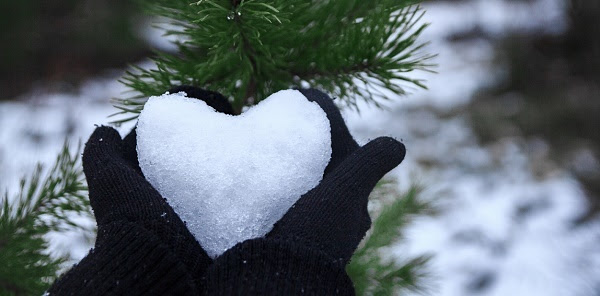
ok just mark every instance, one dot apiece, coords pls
pixel 34 129
pixel 505 228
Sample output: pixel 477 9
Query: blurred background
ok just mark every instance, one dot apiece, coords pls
pixel 505 140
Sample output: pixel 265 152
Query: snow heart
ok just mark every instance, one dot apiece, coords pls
pixel 230 178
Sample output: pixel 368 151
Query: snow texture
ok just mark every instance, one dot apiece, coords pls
pixel 230 178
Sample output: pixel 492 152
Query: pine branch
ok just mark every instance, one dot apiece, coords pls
pixel 370 273
pixel 248 49
pixel 41 206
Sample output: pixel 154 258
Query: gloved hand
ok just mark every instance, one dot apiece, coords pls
pixel 307 250
pixel 333 218
pixel 142 246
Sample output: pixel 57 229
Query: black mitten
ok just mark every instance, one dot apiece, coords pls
pixel 333 217
pixel 307 250
pixel 143 247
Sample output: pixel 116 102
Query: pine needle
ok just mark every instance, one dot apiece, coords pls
pixel 249 49
pixel 42 205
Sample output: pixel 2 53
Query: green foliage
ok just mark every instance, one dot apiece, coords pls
pixel 41 206
pixel 248 49
pixel 371 274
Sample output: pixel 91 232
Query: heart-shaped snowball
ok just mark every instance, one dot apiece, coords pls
pixel 232 177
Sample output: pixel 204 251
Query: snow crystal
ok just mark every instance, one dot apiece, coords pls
pixel 232 177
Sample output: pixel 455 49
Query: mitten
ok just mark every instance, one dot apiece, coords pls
pixel 142 246
pixel 307 250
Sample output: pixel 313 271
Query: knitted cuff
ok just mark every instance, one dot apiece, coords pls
pixel 269 267
pixel 131 261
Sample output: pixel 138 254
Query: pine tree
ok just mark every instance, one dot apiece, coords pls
pixel 42 205
pixel 247 49
pixel 371 274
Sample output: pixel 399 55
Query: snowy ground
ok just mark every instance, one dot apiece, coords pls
pixel 505 229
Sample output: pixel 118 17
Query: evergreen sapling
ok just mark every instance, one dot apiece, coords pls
pixel 43 204
pixel 247 49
